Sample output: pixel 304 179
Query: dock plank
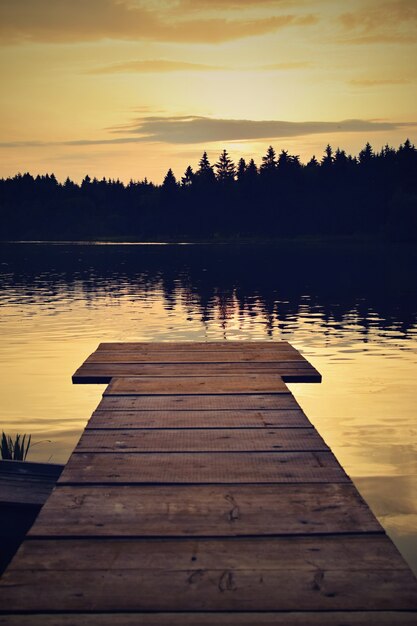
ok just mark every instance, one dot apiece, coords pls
pixel 205 510
pixel 194 346
pixel 267 574
pixel 200 467
pixel 292 618
pixel 200 440
pixel 196 385
pixel 202 402
pixel 294 418
pixel 199 356
pixel 101 373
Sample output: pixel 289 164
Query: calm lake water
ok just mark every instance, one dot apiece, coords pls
pixel 351 312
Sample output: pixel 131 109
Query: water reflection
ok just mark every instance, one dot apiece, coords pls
pixel 360 291
pixel 351 311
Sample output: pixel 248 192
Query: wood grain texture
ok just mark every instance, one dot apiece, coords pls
pixel 202 403
pixel 294 418
pixel 196 385
pixel 229 510
pixel 195 346
pixel 201 356
pixel 203 467
pixel 200 440
pixel 262 574
pixel 26 483
pixel 317 618
pixel 100 373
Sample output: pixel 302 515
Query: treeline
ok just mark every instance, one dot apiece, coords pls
pixel 371 195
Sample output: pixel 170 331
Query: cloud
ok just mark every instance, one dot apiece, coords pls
pixel 393 21
pixel 154 66
pixel 194 129
pixel 291 65
pixel 203 130
pixel 70 21
pixel 378 82
pixel 165 65
pixel 228 4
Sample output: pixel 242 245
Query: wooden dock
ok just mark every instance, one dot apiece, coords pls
pixel 200 495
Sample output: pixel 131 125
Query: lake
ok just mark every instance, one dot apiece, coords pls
pixel 351 310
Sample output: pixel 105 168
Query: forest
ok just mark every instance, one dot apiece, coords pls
pixel 372 195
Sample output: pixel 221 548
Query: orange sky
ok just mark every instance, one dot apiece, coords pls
pixel 129 88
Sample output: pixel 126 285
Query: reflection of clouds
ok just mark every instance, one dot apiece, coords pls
pixel 393 500
pixel 390 496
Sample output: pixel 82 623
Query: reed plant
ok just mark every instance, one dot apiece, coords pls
pixel 15 449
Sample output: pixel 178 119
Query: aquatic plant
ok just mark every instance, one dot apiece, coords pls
pixel 15 449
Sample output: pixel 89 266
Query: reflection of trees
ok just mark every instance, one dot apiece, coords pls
pixel 374 289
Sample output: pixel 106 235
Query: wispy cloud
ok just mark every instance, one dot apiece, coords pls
pixel 165 65
pixel 392 21
pixel 291 65
pixel 378 82
pixel 70 21
pixel 230 4
pixel 203 130
pixel 154 66
pixel 194 129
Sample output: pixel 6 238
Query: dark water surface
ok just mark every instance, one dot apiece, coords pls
pixel 352 311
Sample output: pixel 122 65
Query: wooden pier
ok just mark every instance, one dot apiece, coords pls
pixel 200 495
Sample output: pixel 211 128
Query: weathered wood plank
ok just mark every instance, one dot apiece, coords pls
pixel 196 385
pixel 194 346
pixel 26 483
pixel 200 467
pixel 182 356
pixel 204 403
pixel 294 418
pixel 201 440
pixel 199 369
pixel 101 373
pixel 230 510
pixel 318 618
pixel 262 574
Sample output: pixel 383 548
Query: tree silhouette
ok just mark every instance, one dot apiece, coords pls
pixel 241 169
pixel 269 161
pixel 373 195
pixel 205 172
pixel 170 182
pixel 225 167
pixel 327 160
pixel 188 178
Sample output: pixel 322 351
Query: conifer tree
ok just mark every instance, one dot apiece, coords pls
pixel 366 155
pixel 225 168
pixel 170 182
pixel 205 172
pixel 188 178
pixel 269 161
pixel 241 169
pixel 327 160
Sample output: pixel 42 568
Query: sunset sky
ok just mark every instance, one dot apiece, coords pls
pixel 129 88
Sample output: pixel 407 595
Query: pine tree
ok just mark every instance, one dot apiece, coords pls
pixel 170 182
pixel 241 169
pixel 225 168
pixel 188 178
pixel 366 155
pixel 269 161
pixel 327 160
pixel 205 173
